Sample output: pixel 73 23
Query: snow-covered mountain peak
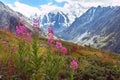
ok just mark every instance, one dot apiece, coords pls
pixel 71 10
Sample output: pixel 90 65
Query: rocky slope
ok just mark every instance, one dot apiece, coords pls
pixel 9 19
pixel 98 27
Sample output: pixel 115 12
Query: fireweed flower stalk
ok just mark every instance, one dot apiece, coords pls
pixel 50 30
pixel 50 38
pixel 28 37
pixel 22 31
pixel 50 35
pixel 63 50
pixel 58 45
pixel 36 23
pixel 74 67
pixel 74 64
pixel 23 51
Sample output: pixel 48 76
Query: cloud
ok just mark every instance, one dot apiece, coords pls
pixel 90 3
pixel 59 1
pixel 30 10
pixel 115 2
pixel 68 7
pixel 24 9
pixel 49 7
pixel 85 3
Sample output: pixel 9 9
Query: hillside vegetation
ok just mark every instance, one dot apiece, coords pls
pixel 36 59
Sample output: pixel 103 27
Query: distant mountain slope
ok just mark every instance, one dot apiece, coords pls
pixel 99 27
pixel 59 20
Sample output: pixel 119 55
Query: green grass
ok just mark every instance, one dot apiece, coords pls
pixel 47 64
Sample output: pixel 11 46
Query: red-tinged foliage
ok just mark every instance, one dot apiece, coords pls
pixel 74 48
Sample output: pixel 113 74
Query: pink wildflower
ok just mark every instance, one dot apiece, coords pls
pixel 36 21
pixel 63 50
pixel 50 35
pixel 26 59
pixel 50 30
pixel 50 40
pixel 74 64
pixel 4 42
pixel 14 49
pixel 58 45
pixel 28 37
pixel 21 30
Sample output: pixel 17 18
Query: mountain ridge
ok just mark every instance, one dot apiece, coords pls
pixel 94 26
pixel 90 28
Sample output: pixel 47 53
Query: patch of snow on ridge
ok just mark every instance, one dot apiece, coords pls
pixel 80 37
